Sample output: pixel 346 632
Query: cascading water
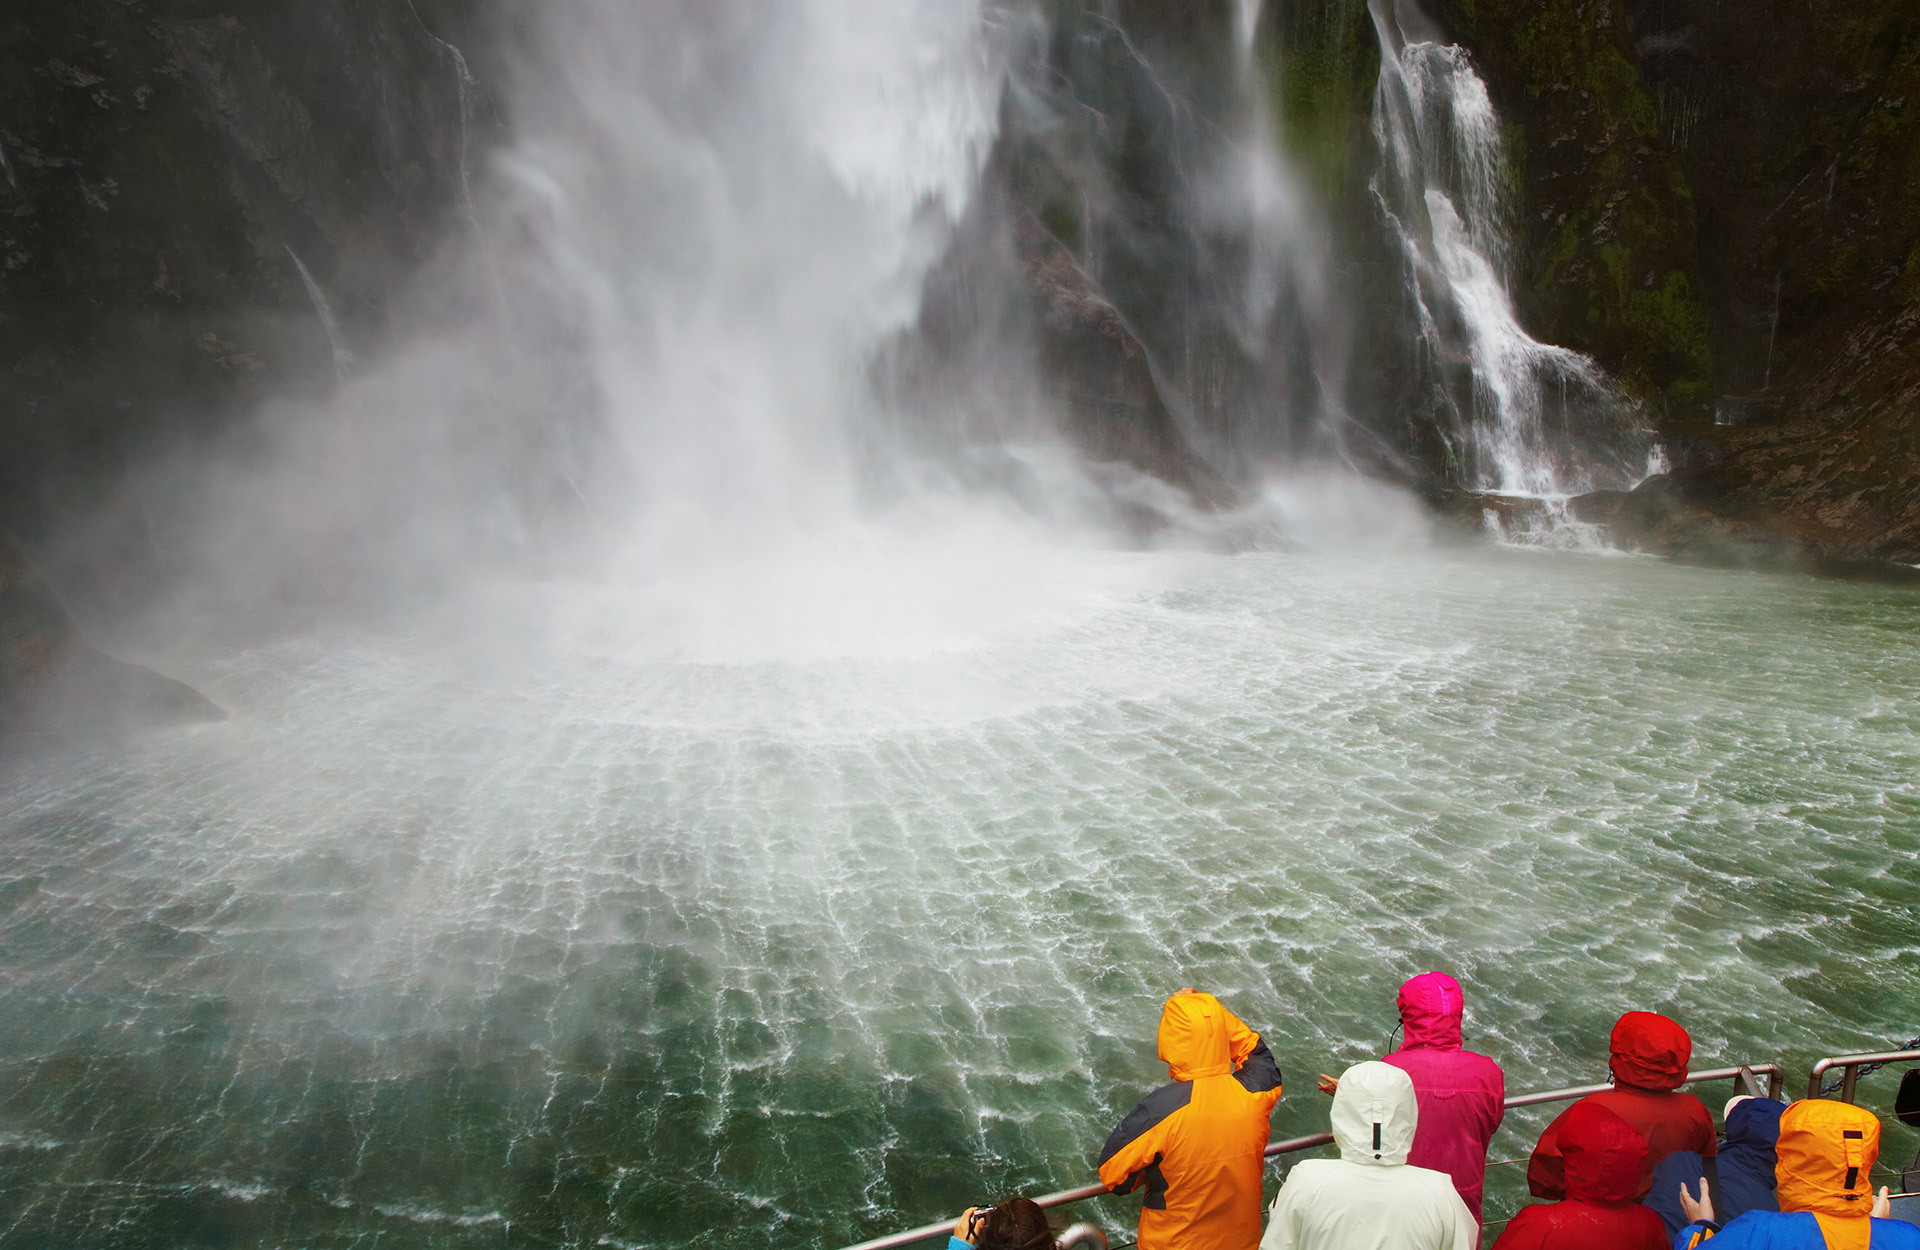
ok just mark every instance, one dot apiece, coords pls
pixel 1293 320
pixel 744 202
pixel 1531 418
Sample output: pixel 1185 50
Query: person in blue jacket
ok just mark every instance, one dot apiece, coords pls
pixel 1824 1181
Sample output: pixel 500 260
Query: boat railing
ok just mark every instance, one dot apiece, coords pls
pixel 1748 1076
pixel 1853 1068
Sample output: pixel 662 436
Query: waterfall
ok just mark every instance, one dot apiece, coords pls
pixel 742 199
pixel 1529 418
pixel 342 356
pixel 1292 321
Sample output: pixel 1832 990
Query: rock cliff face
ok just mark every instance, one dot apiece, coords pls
pixel 1721 202
pixel 204 203
pixel 184 186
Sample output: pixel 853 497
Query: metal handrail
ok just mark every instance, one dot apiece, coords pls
pixel 1746 1074
pixel 1293 1145
pixel 1852 1064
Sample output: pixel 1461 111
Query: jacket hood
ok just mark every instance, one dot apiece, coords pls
pixel 1650 1052
pixel 1755 1123
pixel 1826 1152
pixel 1196 1036
pixel 1374 1114
pixel 1604 1155
pixel 1430 1008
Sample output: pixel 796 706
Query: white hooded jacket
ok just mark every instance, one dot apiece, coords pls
pixel 1370 1198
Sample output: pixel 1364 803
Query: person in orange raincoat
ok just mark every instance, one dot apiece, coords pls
pixel 1198 1146
pixel 1826 1155
pixel 1649 1055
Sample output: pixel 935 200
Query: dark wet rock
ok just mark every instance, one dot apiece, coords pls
pixel 1017 343
pixel 1662 517
pixel 1839 467
pixel 1604 226
pixel 161 165
pixel 1721 203
pixel 1098 374
pixel 1665 516
pixel 1477 512
pixel 52 680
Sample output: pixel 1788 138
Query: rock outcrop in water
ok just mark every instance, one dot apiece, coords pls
pixel 52 680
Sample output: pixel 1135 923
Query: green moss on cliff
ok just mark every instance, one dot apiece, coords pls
pixel 1606 256
pixel 1322 62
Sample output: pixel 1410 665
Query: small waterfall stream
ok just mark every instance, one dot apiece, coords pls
pixel 342 355
pixel 1293 320
pixel 1530 418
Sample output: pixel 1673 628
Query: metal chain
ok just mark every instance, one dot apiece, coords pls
pixel 1865 1069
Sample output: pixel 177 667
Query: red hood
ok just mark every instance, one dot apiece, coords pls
pixel 1430 1007
pixel 1604 1156
pixel 1650 1052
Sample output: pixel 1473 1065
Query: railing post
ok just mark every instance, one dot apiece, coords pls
pixel 1847 1082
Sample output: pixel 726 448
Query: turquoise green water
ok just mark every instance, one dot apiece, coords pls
pixel 546 933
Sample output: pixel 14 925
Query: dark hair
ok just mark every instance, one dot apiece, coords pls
pixel 1016 1224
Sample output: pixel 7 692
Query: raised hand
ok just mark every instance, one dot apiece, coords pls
pixel 1696 1212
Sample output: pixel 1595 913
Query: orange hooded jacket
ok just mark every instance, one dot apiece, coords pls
pixel 1198 1145
pixel 1825 1167
pixel 1826 1156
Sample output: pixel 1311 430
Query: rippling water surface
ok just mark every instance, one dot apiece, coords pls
pixel 536 934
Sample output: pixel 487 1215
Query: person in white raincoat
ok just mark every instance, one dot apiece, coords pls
pixel 1370 1198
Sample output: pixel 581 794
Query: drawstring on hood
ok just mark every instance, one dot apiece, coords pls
pixel 1374 1114
pixel 1431 1007
pixel 1649 1052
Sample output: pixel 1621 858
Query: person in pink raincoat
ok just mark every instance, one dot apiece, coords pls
pixel 1462 1095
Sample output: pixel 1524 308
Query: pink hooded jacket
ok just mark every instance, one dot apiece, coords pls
pixel 1461 1095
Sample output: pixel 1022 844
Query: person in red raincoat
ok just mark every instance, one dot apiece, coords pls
pixel 1649 1054
pixel 1603 1158
pixel 1462 1095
